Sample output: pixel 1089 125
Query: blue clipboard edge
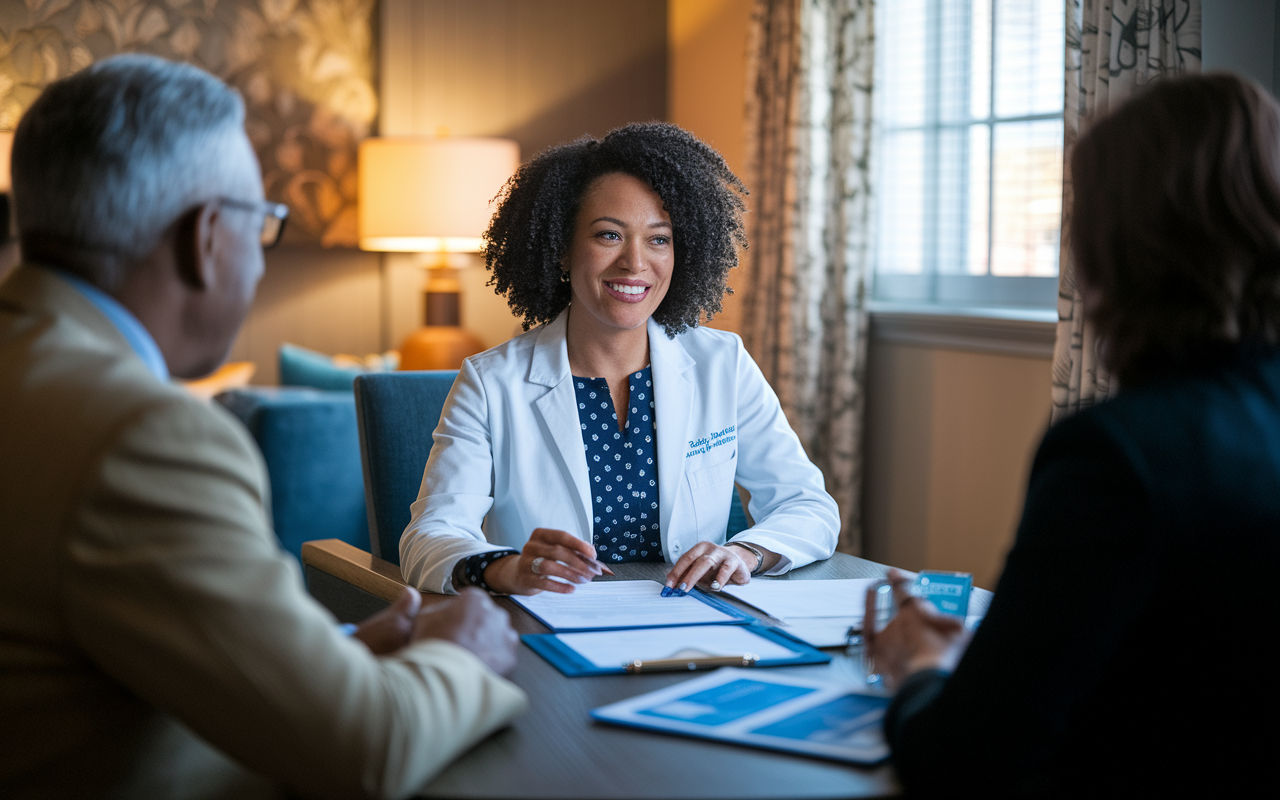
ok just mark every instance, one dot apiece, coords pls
pixel 571 664
pixel 740 617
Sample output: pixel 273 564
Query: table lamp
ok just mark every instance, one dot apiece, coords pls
pixel 430 195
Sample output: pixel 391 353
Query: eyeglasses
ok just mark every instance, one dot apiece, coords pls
pixel 273 218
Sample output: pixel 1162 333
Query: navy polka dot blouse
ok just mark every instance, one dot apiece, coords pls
pixel 623 469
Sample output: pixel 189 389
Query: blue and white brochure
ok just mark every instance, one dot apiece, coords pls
pixel 770 711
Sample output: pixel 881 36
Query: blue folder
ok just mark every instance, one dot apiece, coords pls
pixel 573 665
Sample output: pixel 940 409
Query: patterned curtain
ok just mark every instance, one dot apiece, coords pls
pixel 804 320
pixel 1113 47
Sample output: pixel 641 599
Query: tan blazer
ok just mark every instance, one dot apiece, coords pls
pixel 154 639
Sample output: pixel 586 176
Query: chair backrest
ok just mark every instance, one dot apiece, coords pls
pixel 396 413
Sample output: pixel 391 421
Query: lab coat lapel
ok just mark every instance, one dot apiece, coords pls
pixel 558 410
pixel 675 396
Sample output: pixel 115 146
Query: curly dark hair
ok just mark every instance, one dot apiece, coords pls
pixel 1176 226
pixel 529 235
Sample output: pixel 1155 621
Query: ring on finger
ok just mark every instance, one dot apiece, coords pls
pixel 536 566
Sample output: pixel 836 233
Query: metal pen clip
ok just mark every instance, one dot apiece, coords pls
pixel 690 664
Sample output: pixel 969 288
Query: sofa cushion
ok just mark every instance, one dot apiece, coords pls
pixel 309 441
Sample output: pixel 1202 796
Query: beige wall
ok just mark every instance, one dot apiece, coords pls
pixel 707 74
pixel 949 441
pixel 324 299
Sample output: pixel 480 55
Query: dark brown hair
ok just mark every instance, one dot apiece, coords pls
pixel 530 233
pixel 1176 225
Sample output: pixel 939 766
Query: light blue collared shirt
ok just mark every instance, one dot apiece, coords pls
pixel 138 337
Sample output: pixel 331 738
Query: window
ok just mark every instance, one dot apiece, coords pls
pixel 969 156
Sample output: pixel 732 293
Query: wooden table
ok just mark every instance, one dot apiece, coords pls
pixel 556 751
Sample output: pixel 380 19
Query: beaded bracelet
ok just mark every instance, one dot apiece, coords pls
pixel 470 571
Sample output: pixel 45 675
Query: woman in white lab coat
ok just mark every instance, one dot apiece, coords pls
pixel 616 429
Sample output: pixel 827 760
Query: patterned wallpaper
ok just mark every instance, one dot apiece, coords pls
pixel 304 67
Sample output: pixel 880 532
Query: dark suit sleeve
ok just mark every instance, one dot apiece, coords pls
pixel 1079 574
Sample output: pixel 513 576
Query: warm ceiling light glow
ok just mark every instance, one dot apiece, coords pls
pixel 430 194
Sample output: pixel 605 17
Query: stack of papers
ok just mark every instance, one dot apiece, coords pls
pixel 818 612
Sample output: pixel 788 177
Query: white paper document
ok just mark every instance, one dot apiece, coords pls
pixel 785 600
pixel 612 648
pixel 818 612
pixel 620 604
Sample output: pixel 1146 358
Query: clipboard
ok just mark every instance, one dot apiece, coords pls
pixel 778 649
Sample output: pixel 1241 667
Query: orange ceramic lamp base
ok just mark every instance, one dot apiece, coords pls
pixel 438 347
pixel 442 343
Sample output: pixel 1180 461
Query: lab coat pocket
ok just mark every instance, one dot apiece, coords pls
pixel 711 488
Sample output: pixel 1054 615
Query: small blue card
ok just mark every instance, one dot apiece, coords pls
pixel 948 591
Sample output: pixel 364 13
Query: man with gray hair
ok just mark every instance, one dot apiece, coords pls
pixel 154 639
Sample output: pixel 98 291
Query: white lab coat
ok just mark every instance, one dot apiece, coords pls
pixel 508 456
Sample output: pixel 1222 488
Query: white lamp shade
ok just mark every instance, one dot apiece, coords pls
pixel 430 194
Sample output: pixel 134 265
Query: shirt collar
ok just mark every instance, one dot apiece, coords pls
pixel 138 337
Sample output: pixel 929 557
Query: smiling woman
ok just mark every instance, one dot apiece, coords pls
pixel 584 442
pixel 529 237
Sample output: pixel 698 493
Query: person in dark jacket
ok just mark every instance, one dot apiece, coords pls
pixel 1130 645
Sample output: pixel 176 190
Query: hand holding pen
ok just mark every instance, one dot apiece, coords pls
pixel 548 554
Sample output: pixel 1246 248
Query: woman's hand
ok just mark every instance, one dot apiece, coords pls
pixel 547 553
pixel 918 637
pixel 719 563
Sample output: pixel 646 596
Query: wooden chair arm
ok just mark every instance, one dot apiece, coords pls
pixel 348 581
